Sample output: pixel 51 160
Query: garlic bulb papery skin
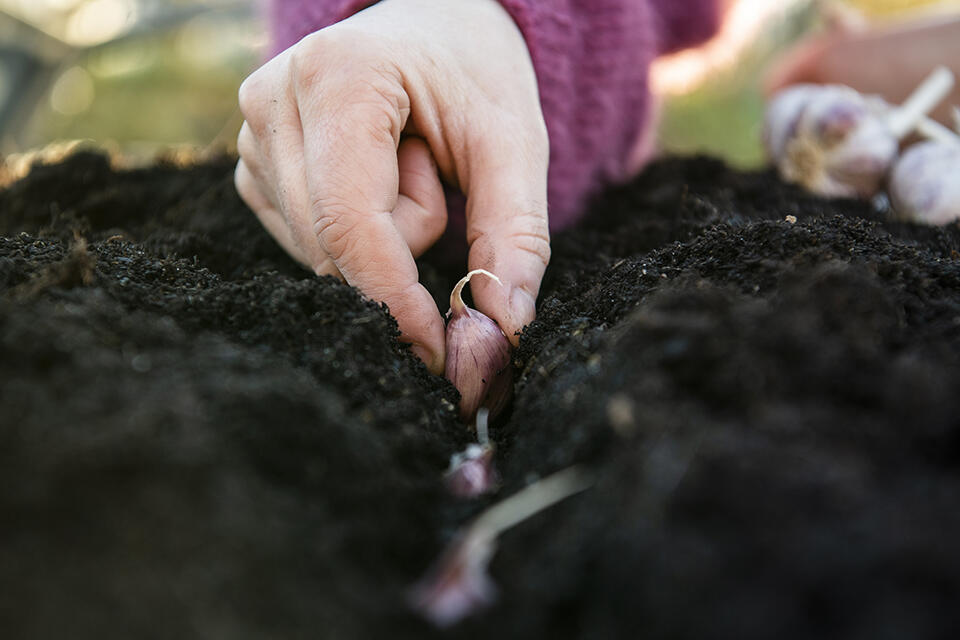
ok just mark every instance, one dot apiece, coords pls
pixel 782 114
pixel 830 139
pixel 925 183
pixel 478 356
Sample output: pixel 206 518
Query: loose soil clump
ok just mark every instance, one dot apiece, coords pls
pixel 200 439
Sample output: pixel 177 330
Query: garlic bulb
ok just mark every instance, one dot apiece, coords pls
pixel 829 139
pixel 836 142
pixel 925 183
pixel 478 356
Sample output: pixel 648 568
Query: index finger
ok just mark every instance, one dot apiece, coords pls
pixel 351 129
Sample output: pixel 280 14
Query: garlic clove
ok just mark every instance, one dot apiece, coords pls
pixel 478 356
pixel 459 584
pixel 925 183
pixel 856 167
pixel 471 472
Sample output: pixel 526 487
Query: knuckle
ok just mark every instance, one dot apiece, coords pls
pixel 531 236
pixel 332 66
pixel 246 144
pixel 243 182
pixel 336 228
pixel 250 96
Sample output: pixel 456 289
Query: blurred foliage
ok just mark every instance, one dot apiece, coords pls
pixel 169 78
pixel 159 98
pixel 723 114
pixel 885 7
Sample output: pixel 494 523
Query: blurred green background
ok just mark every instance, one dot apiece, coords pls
pixel 143 76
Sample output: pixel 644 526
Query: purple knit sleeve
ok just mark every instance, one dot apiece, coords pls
pixel 685 23
pixel 592 61
pixel 291 20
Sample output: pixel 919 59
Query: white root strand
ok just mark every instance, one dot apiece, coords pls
pixel 933 130
pixel 530 501
pixel 483 432
pixel 924 98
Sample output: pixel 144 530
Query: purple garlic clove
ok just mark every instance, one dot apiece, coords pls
pixel 458 585
pixel 471 472
pixel 925 183
pixel 478 356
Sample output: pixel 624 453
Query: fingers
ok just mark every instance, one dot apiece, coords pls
pixel 507 228
pixel 270 145
pixel 266 211
pixel 421 212
pixel 353 186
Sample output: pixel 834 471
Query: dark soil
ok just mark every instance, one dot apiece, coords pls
pixel 198 439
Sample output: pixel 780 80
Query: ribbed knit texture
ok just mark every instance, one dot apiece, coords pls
pixel 592 61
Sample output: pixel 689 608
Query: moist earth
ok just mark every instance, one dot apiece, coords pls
pixel 198 438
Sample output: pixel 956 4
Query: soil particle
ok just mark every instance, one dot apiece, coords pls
pixel 199 438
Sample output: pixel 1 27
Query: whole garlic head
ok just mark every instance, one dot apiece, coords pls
pixel 925 183
pixel 830 139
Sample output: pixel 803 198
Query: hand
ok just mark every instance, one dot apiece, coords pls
pixel 347 130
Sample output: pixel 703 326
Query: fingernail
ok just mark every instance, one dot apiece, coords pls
pixel 523 309
pixel 428 357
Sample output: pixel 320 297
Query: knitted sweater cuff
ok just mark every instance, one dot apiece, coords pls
pixel 291 20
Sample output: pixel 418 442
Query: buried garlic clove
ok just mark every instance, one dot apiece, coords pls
pixel 478 356
pixel 459 584
pixel 925 183
pixel 472 472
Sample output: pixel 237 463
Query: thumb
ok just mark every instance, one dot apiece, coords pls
pixel 508 231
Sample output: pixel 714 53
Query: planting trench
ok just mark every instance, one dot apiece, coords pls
pixel 198 438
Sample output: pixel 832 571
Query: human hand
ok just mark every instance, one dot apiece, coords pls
pixel 347 130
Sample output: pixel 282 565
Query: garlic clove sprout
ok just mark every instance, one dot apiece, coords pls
pixel 478 356
pixel 925 183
